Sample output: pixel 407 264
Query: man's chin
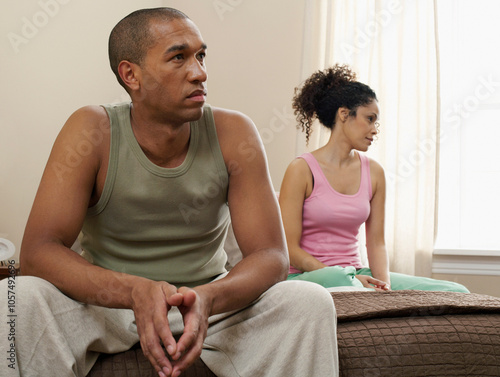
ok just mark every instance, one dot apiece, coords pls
pixel 196 113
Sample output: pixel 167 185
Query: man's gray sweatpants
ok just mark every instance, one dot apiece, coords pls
pixel 290 330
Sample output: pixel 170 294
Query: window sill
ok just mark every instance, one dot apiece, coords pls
pixel 466 262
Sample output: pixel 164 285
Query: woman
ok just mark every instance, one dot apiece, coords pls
pixel 328 194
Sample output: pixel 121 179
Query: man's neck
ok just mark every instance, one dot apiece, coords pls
pixel 165 145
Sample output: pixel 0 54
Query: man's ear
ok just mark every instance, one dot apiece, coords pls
pixel 130 74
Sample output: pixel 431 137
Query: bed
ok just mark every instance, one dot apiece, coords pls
pixel 399 333
pixel 417 333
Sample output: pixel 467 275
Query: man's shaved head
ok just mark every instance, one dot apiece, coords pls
pixel 131 38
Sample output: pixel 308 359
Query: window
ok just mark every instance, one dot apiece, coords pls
pixel 469 171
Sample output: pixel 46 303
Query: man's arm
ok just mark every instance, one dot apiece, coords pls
pixel 72 181
pixel 255 216
pixel 257 227
pixel 64 194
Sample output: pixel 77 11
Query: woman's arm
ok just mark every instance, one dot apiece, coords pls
pixel 375 226
pixel 296 187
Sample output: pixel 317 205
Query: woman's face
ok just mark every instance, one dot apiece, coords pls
pixel 362 128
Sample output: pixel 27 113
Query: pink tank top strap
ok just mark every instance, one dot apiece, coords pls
pixel 316 171
pixel 366 181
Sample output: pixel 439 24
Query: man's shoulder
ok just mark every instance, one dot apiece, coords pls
pixel 238 137
pixel 226 117
pixel 89 116
pixel 86 131
pixel 91 111
pixel 233 126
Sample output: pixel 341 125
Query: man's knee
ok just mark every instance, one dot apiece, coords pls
pixel 303 295
pixel 29 290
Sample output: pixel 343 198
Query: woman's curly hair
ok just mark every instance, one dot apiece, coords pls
pixel 324 92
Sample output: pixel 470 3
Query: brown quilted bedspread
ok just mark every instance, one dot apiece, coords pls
pixel 399 333
pixel 133 363
pixel 416 333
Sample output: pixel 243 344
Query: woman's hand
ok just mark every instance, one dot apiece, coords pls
pixel 371 282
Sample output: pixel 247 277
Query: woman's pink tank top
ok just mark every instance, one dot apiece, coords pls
pixel 331 220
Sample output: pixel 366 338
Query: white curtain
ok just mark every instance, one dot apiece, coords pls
pixel 391 45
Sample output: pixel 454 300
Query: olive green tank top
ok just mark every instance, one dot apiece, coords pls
pixel 164 224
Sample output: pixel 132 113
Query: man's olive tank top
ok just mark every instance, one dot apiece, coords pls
pixel 164 224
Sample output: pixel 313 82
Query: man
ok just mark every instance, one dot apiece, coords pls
pixel 151 185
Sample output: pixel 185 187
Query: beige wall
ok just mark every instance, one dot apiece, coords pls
pixel 59 62
pixel 254 59
pixel 53 59
pixel 483 284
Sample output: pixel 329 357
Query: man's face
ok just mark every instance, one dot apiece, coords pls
pixel 173 73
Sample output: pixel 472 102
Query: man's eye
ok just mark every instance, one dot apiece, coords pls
pixel 178 57
pixel 201 56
